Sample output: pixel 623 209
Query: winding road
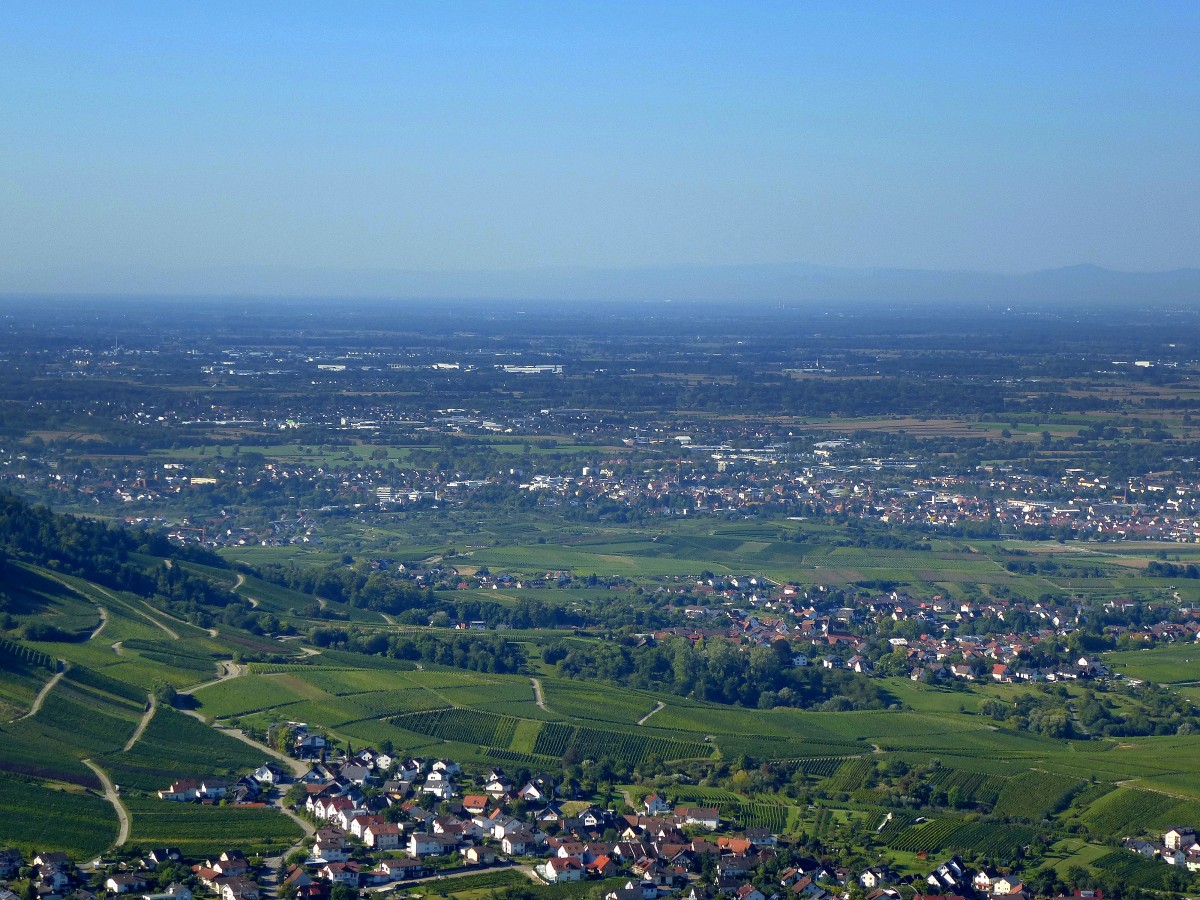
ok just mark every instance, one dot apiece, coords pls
pixel 171 633
pixel 151 708
pixel 103 621
pixel 241 579
pixel 41 696
pixel 53 576
pixel 228 670
pixel 298 768
pixel 538 697
pixel 111 795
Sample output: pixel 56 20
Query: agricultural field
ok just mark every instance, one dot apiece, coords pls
pixel 995 841
pixel 175 744
pixel 1127 812
pixel 239 696
pixel 1033 796
pixel 489 719
pixel 1138 871
pixel 201 831
pixel 39 818
pixel 20 679
pixel 1169 664
pixel 581 701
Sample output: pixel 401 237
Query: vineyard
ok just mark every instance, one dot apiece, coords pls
pixel 37 819
pixel 1140 872
pixel 763 815
pixel 242 696
pixel 851 775
pixel 971 787
pixel 888 828
pixel 1126 811
pixel 173 746
pixel 173 654
pixel 201 831
pixel 556 739
pixel 23 751
pixel 119 690
pixel 1034 795
pixel 552 740
pixel 342 681
pixel 996 841
pixel 469 726
pixel 382 704
pixel 581 702
pixel 516 756
pixel 820 767
pixel 78 718
pixel 29 655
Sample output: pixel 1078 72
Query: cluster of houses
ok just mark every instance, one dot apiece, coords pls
pixel 389 835
pixel 662 849
pixel 832 477
pixel 251 789
pixel 54 876
pixel 1179 847
pixel 830 637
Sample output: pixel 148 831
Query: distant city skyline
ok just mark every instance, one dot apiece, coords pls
pixel 268 147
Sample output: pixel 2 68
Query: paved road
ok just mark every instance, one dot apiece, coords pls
pixel 298 768
pixel 458 873
pixel 538 697
pixel 241 579
pixel 272 864
pixel 228 670
pixel 110 794
pixel 151 707
pixel 103 621
pixel 41 697
pixel 658 708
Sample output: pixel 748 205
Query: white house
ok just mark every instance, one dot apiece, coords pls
pixel 560 871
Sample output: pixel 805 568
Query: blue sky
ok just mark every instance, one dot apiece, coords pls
pixel 1004 137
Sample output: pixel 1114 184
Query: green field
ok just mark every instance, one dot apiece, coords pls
pixel 995 787
pixel 1167 664
pixel 39 818
pixel 200 830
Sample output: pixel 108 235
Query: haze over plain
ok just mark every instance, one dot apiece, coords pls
pixel 415 150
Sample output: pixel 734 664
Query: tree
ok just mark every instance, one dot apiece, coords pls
pixel 284 738
pixel 165 693
pixel 295 794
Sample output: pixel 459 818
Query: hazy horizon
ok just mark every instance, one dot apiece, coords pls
pixel 228 148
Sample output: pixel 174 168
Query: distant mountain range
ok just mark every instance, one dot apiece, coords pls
pixel 783 283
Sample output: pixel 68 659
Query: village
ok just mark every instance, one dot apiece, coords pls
pixel 378 824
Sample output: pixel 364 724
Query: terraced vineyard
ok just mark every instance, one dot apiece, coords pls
pixel 173 744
